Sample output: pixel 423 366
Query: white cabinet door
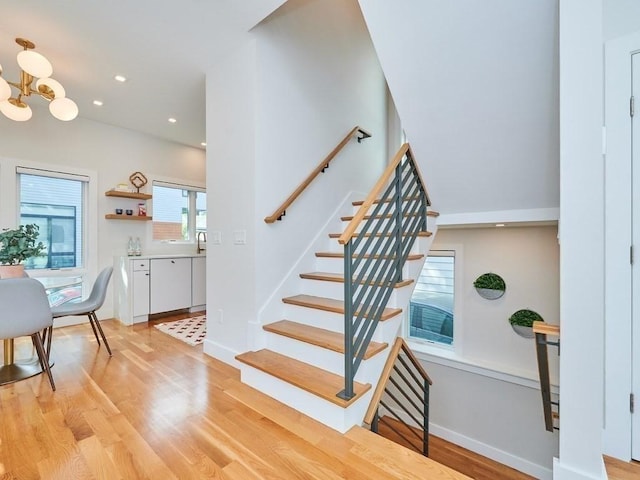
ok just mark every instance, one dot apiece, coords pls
pixel 199 281
pixel 170 284
pixel 140 293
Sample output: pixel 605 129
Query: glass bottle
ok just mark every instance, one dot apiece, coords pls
pixel 137 247
pixel 130 247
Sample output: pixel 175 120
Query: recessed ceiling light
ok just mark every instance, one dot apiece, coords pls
pixel 499 224
pixel 97 103
pixel 172 120
pixel 120 78
pixel 204 144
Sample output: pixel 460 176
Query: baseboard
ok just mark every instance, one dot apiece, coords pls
pixel 562 471
pixel 506 458
pixel 220 352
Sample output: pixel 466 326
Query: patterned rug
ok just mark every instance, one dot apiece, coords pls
pixel 190 330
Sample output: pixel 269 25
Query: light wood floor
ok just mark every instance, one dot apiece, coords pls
pixel 160 409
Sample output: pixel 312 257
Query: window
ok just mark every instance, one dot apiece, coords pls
pixel 56 202
pixel 431 308
pixel 179 212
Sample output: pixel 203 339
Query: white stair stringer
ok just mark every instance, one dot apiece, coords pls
pixel 330 414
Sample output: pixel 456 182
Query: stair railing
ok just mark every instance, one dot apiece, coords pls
pixel 541 330
pixel 398 204
pixel 403 386
pixel 281 211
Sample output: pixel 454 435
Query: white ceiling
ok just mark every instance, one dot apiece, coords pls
pixel 163 47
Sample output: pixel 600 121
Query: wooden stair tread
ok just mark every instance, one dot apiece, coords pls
pixel 339 278
pixel 332 305
pixel 311 379
pixel 348 218
pixel 318 336
pixel 394 458
pixel 412 256
pixel 338 235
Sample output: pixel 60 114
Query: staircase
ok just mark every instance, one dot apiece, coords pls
pixel 303 361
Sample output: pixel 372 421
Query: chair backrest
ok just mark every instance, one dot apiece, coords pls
pixel 99 290
pixel 24 306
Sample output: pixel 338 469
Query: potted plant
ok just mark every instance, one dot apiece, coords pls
pixel 16 246
pixel 522 322
pixel 490 286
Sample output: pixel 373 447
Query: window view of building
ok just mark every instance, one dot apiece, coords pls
pixel 178 212
pixel 56 203
pixel 431 309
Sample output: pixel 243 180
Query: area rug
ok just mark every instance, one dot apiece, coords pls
pixel 189 330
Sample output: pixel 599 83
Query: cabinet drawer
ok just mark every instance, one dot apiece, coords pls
pixel 140 265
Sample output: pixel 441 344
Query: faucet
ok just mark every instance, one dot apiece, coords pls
pixel 202 235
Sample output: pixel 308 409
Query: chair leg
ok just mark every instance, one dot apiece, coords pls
pixel 44 361
pixel 93 327
pixel 49 338
pixel 104 339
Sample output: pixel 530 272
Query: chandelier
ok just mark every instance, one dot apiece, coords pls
pixel 34 66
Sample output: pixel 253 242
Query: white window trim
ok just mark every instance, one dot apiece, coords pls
pixel 10 210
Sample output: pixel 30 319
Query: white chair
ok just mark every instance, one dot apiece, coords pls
pixel 87 307
pixel 26 312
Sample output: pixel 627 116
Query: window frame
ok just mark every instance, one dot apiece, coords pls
pixel 458 323
pixel 10 213
pixel 191 217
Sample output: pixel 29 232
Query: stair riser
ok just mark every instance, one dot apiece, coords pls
pixel 335 246
pixel 368 372
pixel 336 265
pixel 336 290
pixel 338 418
pixel 327 320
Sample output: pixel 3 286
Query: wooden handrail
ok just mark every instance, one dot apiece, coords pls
pixel 546 328
pixel 280 211
pixel 350 230
pixel 399 344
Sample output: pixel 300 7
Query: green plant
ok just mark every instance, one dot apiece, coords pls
pixel 525 318
pixel 490 281
pixel 19 244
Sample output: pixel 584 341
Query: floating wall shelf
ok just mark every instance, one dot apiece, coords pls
pixel 117 193
pixel 114 216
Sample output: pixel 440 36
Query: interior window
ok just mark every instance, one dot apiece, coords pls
pixel 179 212
pixel 431 308
pixel 56 202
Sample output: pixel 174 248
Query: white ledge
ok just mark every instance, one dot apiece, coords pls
pixel 532 216
pixel 448 358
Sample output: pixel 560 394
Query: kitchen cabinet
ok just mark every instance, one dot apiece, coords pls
pixel 153 284
pixel 140 288
pixel 170 284
pixel 198 281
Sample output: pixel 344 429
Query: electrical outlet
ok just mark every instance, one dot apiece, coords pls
pixel 220 317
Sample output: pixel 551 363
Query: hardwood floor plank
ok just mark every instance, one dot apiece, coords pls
pixel 161 409
pixel 98 460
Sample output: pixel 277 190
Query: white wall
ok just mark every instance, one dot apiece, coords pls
pixel 527 258
pixel 485 394
pixel 276 107
pixel 581 240
pixel 620 17
pixel 476 86
pixel 319 77
pixel 113 153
